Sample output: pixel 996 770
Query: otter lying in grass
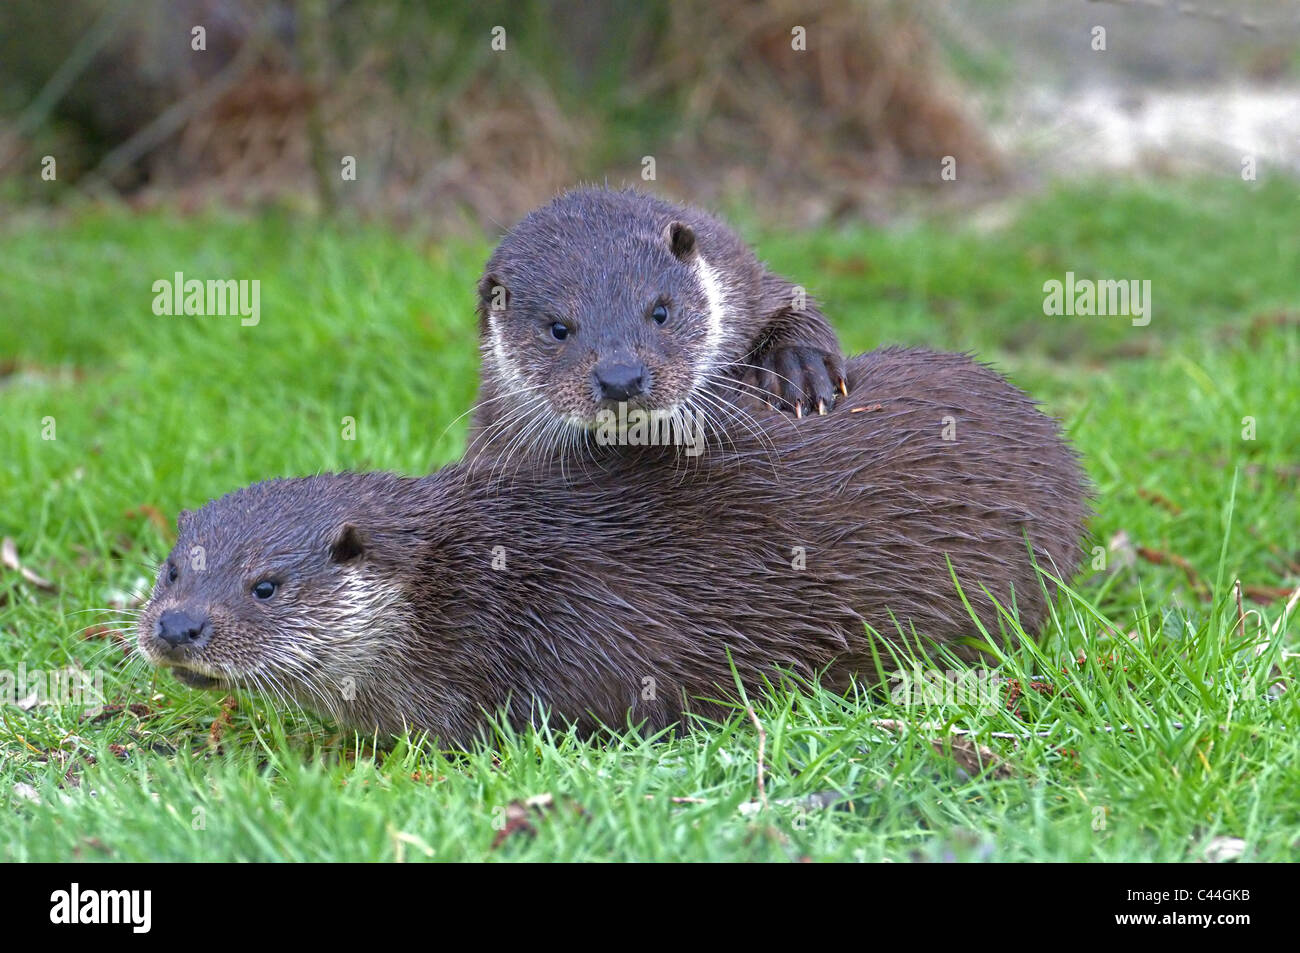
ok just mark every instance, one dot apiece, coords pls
pixel 626 591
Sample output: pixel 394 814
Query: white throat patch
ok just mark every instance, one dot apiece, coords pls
pixel 501 356
pixel 717 297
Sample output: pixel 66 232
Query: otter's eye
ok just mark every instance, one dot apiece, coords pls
pixel 660 313
pixel 171 573
pixel 559 330
pixel 265 589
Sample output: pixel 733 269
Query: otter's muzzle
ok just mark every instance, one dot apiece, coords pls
pixel 621 380
pixel 179 629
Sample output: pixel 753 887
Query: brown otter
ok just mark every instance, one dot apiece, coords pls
pixel 619 592
pixel 606 298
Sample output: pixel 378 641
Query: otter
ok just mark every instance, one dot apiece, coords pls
pixel 608 301
pixel 618 593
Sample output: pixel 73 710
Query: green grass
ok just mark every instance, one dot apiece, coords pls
pixel 168 412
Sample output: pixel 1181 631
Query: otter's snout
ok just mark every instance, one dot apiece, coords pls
pixel 621 380
pixel 179 629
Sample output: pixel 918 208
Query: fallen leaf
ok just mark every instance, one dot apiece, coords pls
pixel 222 721
pixel 9 557
pixel 1122 549
pixel 522 816
pixel 153 514
pixel 974 759
pixel 1160 500
pixel 1224 849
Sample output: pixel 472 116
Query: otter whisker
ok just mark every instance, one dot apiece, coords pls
pixel 741 386
pixel 518 421
pixel 763 445
pixel 516 392
pixel 300 665
pixel 744 418
pixel 520 438
pixel 546 440
pixel 518 389
pixel 268 681
pixel 527 438
pixel 102 653
pixel 108 610
pixel 729 413
pixel 761 393
pixel 521 412
pixel 283 687
pixel 724 383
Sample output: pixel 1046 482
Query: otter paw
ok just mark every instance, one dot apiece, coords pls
pixel 802 380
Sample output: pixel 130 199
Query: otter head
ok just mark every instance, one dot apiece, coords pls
pixel 274 588
pixel 602 299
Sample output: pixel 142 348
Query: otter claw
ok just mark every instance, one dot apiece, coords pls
pixel 807 378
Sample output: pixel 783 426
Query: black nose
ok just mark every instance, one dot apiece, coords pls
pixel 177 628
pixel 621 380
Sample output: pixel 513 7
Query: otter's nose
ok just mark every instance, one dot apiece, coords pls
pixel 179 628
pixel 621 380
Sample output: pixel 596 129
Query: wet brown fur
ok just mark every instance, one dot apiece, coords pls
pixel 623 588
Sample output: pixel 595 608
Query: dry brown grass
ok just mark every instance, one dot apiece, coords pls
pixel 866 107
pixel 803 135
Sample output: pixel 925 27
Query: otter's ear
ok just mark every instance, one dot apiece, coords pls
pixel 348 545
pixel 681 240
pixel 492 294
pixel 183 519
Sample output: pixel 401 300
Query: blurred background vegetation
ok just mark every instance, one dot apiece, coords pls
pixel 445 128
